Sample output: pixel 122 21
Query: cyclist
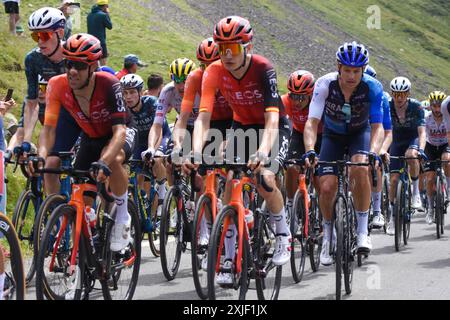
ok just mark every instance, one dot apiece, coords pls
pixel 436 148
pixel 143 109
pixel 409 138
pixel 348 100
pixel 301 86
pixel 94 100
pixel 171 97
pixel 249 84
pixel 445 110
pixel 378 218
pixel 45 61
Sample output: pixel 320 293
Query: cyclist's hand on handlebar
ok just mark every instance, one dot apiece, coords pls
pixel 422 155
pixel 34 164
pixel 310 158
pixel 100 171
pixel 148 155
pixel 374 159
pixel 385 157
pixel 258 160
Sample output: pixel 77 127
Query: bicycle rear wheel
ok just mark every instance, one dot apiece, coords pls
pixel 14 285
pixel 349 246
pixel 123 266
pixel 171 234
pixel 216 256
pixel 385 203
pixel 298 254
pixel 54 279
pixel 340 210
pixel 267 275
pixel 154 237
pixel 23 221
pixel 399 207
pixel 199 252
pixel 315 234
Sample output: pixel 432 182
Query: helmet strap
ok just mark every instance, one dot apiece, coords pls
pixel 139 101
pixel 58 45
pixel 86 83
pixel 245 60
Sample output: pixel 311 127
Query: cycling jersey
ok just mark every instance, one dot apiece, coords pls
pixel 445 106
pixel 436 133
pixel 387 122
pixel 171 98
pixel 297 115
pixel 193 92
pixel 365 103
pixel 405 132
pixel 249 97
pixel 38 64
pixel 106 107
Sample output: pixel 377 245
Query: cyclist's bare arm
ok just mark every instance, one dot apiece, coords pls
pixel 376 136
pixel 155 136
pixel 387 141
pixel 201 128
pixel 310 133
pixel 115 145
pixel 30 117
pixel 270 132
pixel 422 137
pixel 179 131
pixel 46 140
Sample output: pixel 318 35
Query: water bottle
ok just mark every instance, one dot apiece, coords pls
pixel 145 199
pixel 190 210
pixel 91 216
pixel 249 218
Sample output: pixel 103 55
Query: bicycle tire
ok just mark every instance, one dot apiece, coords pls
pixel 243 278
pixel 349 246
pixel 204 203
pixel 50 203
pixel 315 234
pixel 20 215
pixel 407 214
pixel 385 204
pixel 171 273
pixel 263 249
pixel 339 205
pixel 52 229
pixel 118 261
pixel 398 214
pixel 16 260
pixel 298 255
pixel 154 235
pixel 439 208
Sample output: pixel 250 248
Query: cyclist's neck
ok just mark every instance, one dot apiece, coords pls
pixel 87 91
pixel 402 106
pixel 240 72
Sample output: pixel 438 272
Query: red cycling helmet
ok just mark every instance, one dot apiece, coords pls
pixel 208 51
pixel 82 47
pixel 233 29
pixel 301 82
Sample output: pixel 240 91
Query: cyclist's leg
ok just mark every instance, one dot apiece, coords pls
pixel 430 174
pixel 414 169
pixel 446 157
pixel 296 151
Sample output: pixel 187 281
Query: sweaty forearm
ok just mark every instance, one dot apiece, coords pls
pixel 310 134
pixel 154 136
pixel 376 137
pixel 270 134
pixel 46 141
pixel 387 141
pixel 115 145
pixel 30 116
pixel 201 128
pixel 179 131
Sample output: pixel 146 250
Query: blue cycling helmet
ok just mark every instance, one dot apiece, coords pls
pixel 370 71
pixel 107 69
pixel 353 55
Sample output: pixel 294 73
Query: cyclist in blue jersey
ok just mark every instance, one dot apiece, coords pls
pixel 409 138
pixel 143 109
pixel 46 61
pixel 378 218
pixel 350 103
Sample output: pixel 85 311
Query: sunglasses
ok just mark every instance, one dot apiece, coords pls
pixel 178 79
pixel 42 87
pixel 43 35
pixel 298 97
pixel 77 65
pixel 233 48
pixel 399 94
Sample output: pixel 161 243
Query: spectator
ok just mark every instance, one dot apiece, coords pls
pixel 154 85
pixel 97 22
pixel 12 8
pixel 68 7
pixel 131 63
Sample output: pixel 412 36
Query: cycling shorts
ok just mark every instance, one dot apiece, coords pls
pixel 433 153
pixel 400 150
pixel 297 146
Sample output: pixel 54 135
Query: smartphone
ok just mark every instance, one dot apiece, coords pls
pixel 9 94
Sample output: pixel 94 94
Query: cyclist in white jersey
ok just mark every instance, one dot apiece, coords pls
pixel 445 106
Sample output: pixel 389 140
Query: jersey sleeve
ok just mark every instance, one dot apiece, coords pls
pixel 376 101
pixel 271 96
pixel 118 109
pixel 163 105
pixel 387 122
pixel 210 85
pixel 420 115
pixel 53 102
pixel 32 78
pixel 445 112
pixel 192 87
pixel 317 105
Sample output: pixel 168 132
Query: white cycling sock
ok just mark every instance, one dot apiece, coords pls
pixel 230 242
pixel 161 187
pixel 326 229
pixel 281 227
pixel 415 183
pixel 430 201
pixel 362 218
pixel 376 202
pixel 2 283
pixel 122 215
pixel 204 228
pixel 448 184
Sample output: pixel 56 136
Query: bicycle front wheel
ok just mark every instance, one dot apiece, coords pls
pixel 440 207
pixel 340 210
pixel 385 203
pixel 399 207
pixel 14 284
pixel 298 254
pixel 237 289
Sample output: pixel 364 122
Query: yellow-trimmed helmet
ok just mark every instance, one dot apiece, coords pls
pixel 180 68
pixel 436 97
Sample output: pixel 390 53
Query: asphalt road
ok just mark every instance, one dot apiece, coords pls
pixel 421 270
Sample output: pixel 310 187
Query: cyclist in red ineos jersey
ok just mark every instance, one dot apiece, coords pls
pixel 94 100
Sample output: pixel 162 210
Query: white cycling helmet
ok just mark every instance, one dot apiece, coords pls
pixel 400 84
pixel 41 80
pixel 132 81
pixel 46 18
